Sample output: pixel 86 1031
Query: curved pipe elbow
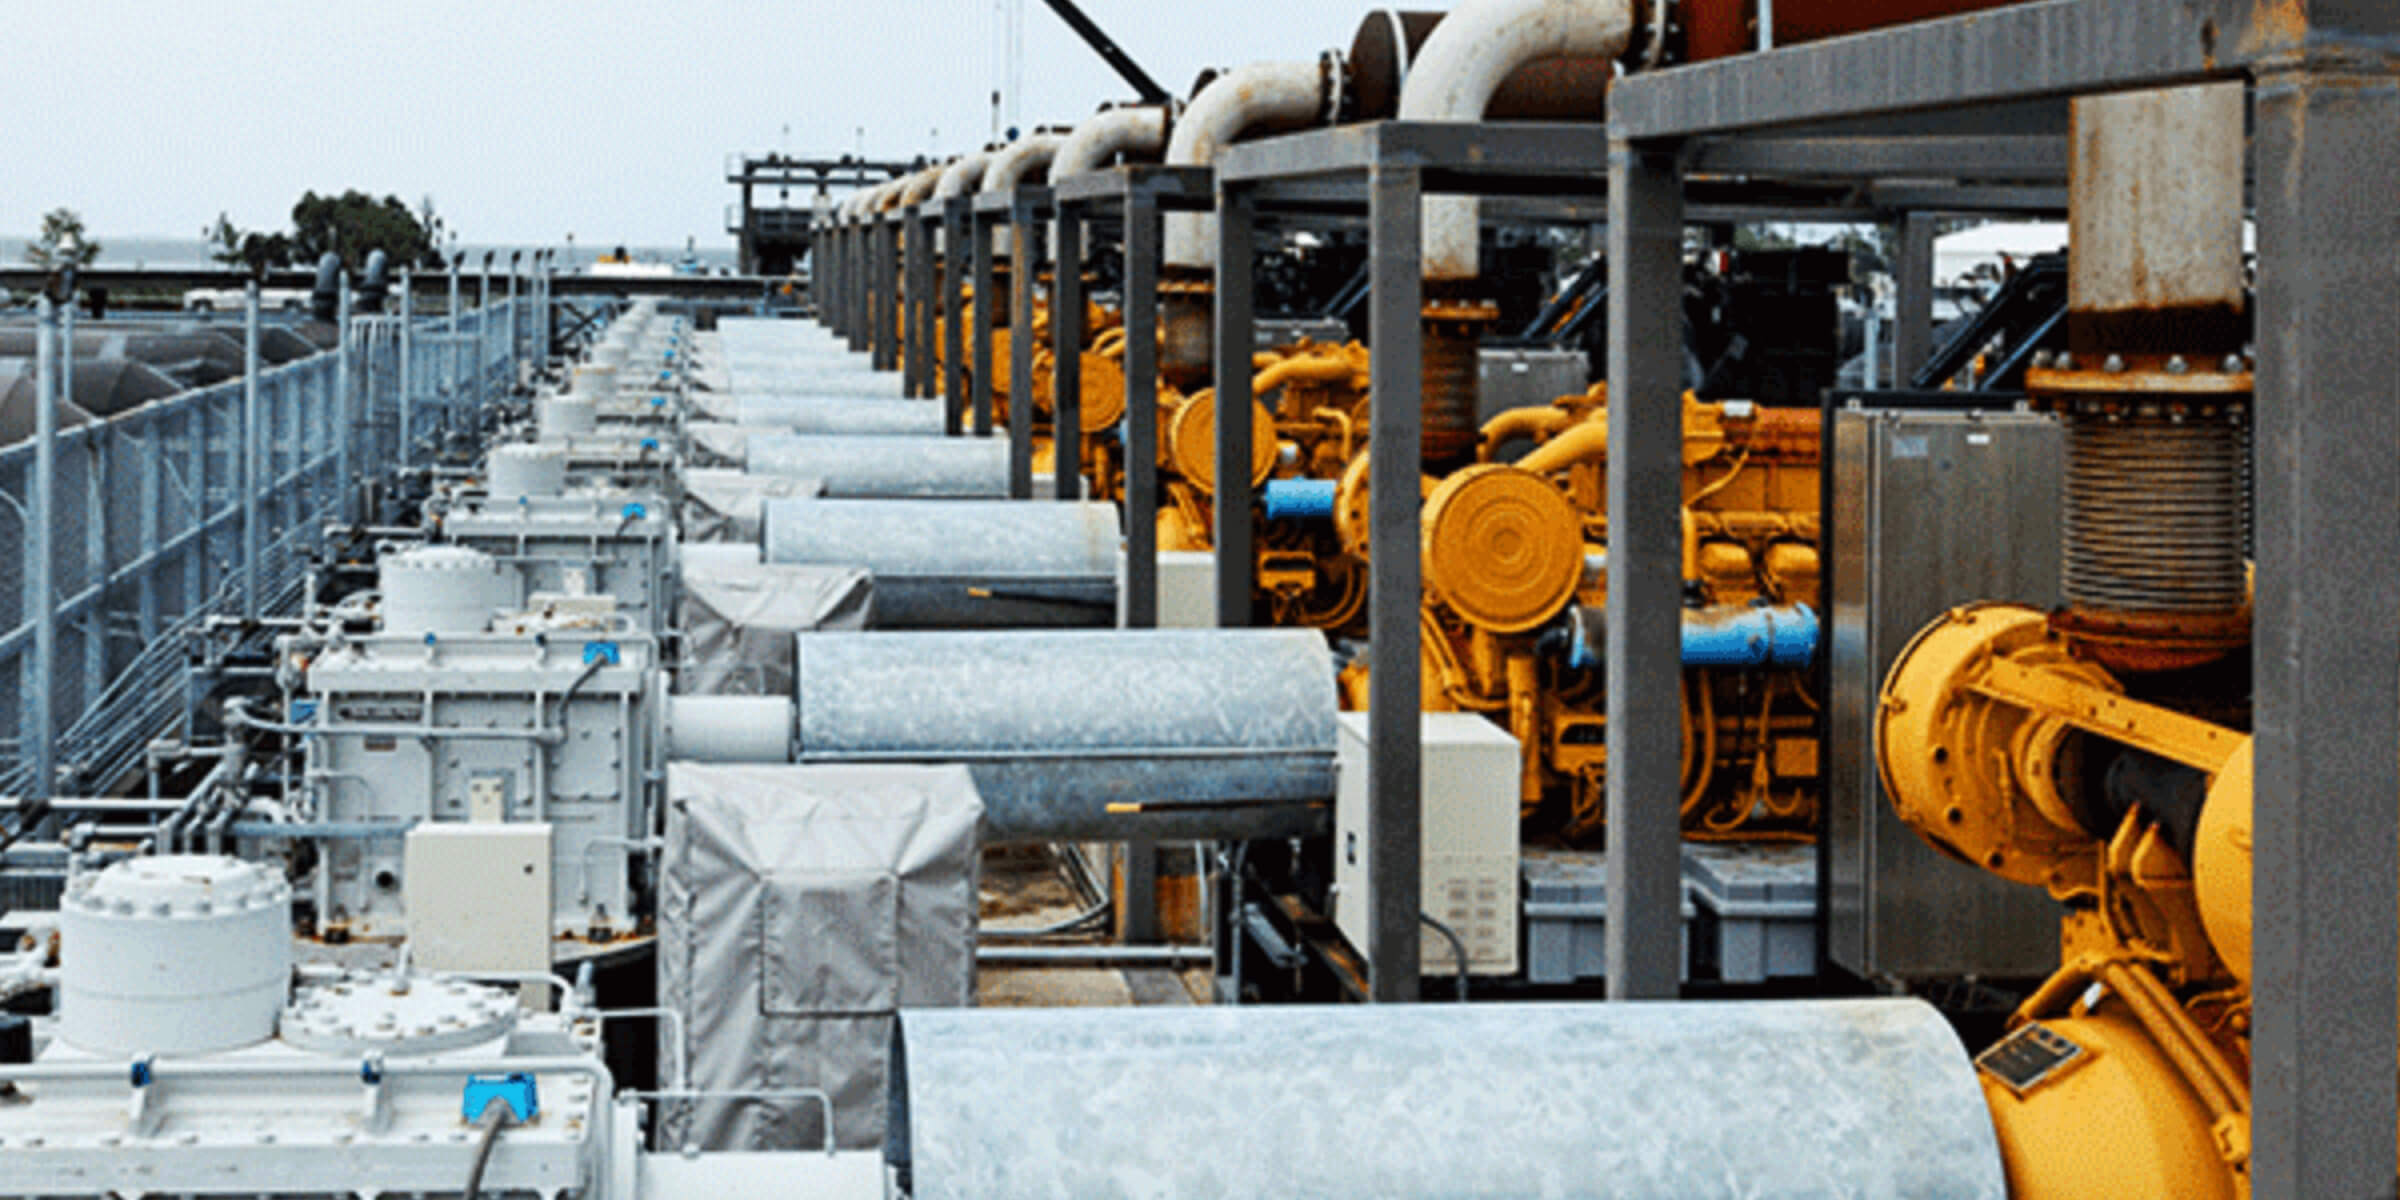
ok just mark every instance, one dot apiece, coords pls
pixel 921 185
pixel 1137 133
pixel 1584 442
pixel 1251 99
pixel 1020 162
pixel 961 178
pixel 1471 53
pixel 1540 422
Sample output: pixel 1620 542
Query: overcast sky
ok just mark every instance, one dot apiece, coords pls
pixel 530 119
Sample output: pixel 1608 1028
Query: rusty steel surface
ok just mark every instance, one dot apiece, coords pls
pixel 1721 28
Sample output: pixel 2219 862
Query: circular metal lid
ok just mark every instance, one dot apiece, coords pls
pixel 410 1014
pixel 178 885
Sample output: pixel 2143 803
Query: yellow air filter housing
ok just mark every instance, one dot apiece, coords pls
pixel 1503 548
pixel 1192 441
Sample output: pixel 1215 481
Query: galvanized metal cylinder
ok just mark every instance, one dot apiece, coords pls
pixel 1783 1098
pixel 843 415
pixel 888 468
pixel 729 729
pixel 1130 734
pixel 961 564
pixel 177 954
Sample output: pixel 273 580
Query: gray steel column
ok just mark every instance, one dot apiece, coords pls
pixel 345 423
pixel 1645 571
pixel 247 471
pixel 453 374
pixel 955 232
pixel 1025 265
pixel 916 348
pixel 39 724
pixel 407 449
pixel 887 292
pixel 1141 408
pixel 979 233
pixel 1237 560
pixel 2327 720
pixel 1912 308
pixel 483 332
pixel 1066 351
pixel 858 285
pixel 1395 438
pixel 516 332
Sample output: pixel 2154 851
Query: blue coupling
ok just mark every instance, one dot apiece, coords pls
pixel 1725 635
pixel 1299 499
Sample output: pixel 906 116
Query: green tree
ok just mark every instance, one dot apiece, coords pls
pixel 255 251
pixel 354 225
pixel 61 242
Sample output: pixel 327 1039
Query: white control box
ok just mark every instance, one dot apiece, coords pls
pixel 1187 589
pixel 1469 773
pixel 479 896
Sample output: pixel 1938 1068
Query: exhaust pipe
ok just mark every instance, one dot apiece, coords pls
pixel 1261 97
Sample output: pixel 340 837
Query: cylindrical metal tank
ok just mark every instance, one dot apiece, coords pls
pixel 521 469
pixel 596 380
pixel 887 468
pixel 730 729
pixel 961 564
pixel 561 417
pixel 176 954
pixel 1073 734
pixel 847 415
pixel 445 589
pixel 1759 1099
pixel 1717 28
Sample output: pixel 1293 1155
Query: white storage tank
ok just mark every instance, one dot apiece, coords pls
pixel 522 469
pixel 176 954
pixel 446 589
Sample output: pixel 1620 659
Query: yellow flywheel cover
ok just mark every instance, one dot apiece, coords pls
pixel 1103 392
pixel 1192 441
pixel 1503 548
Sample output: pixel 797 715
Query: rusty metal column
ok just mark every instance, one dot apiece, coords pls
pixel 1024 268
pixel 1237 559
pixel 1141 407
pixel 955 225
pixel 2327 722
pixel 1645 573
pixel 1066 351
pixel 1395 451
pixel 979 231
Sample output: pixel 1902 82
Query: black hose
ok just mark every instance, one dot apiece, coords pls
pixel 1458 948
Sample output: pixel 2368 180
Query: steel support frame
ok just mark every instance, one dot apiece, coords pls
pixel 1235 320
pixel 885 337
pixel 1066 354
pixel 1026 208
pixel 979 234
pixel 2327 727
pixel 1643 938
pixel 957 259
pixel 917 353
pixel 2327 733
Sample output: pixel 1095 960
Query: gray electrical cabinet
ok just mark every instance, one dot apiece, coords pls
pixel 1931 510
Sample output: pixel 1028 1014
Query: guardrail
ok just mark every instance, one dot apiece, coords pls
pixel 118 536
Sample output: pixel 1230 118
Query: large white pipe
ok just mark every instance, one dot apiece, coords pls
pixel 1237 102
pixel 1476 48
pixel 1140 132
pixel 921 185
pixel 961 178
pixel 1019 159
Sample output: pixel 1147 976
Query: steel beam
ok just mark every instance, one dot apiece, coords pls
pixel 247 472
pixel 1066 352
pixel 1237 559
pixel 1644 937
pixel 39 723
pixel 980 234
pixel 956 229
pixel 1912 307
pixel 1024 271
pixel 887 282
pixel 1395 589
pixel 1141 408
pixel 917 315
pixel 2327 723
pixel 2027 51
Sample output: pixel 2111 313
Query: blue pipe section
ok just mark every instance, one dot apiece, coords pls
pixel 1725 635
pixel 1299 499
